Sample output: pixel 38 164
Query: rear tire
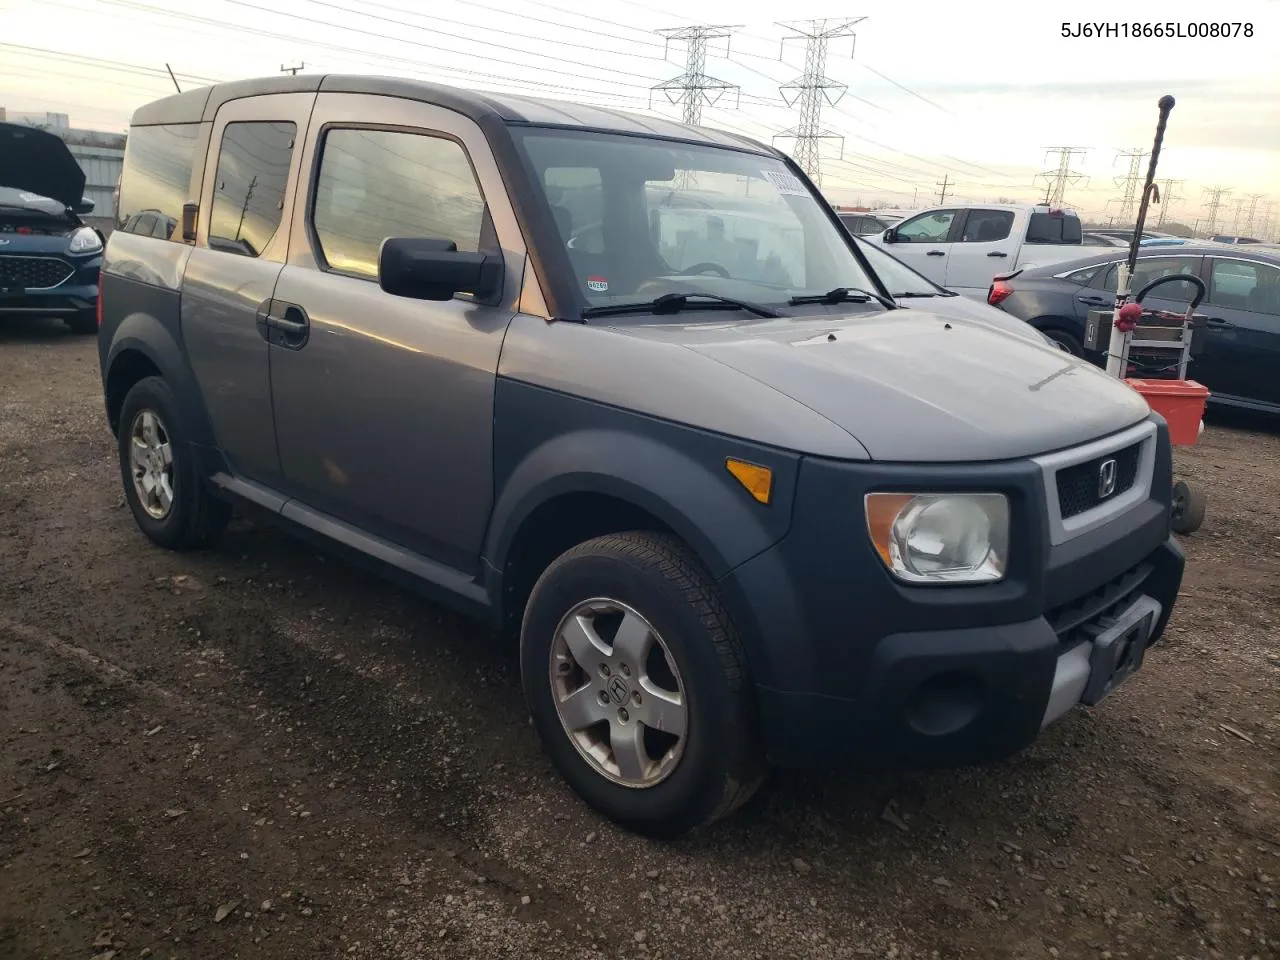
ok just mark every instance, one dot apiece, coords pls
pixel 83 322
pixel 653 583
pixel 168 497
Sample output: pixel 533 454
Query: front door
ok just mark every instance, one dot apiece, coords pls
pixel 984 248
pixel 1241 356
pixel 241 244
pixel 384 404
pixel 924 242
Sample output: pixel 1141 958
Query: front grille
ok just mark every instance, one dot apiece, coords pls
pixel 33 273
pixel 1072 621
pixel 1079 486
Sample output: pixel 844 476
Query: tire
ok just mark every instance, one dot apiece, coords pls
pixel 194 518
pixel 1065 340
pixel 717 764
pixel 83 322
pixel 1189 504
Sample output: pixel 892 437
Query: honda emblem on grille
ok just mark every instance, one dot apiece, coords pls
pixel 1106 479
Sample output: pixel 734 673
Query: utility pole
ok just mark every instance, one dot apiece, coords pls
pixel 293 71
pixel 915 197
pixel 942 194
pixel 1167 198
pixel 1213 202
pixel 694 88
pixel 812 87
pixel 244 208
pixel 1057 178
pixel 1129 183
pixel 173 78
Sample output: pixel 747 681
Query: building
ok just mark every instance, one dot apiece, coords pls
pixel 100 155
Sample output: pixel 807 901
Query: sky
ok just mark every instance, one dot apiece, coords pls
pixel 974 93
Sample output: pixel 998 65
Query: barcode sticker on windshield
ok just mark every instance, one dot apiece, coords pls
pixel 786 184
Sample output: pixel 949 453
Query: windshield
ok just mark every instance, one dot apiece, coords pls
pixel 640 218
pixel 898 278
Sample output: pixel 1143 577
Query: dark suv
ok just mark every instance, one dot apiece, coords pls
pixel 628 389
pixel 49 258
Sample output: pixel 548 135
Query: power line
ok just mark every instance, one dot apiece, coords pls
pixel 694 87
pixel 812 88
pixel 1167 199
pixel 1213 203
pixel 1057 179
pixel 1129 183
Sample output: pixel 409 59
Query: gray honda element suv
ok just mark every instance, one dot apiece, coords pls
pixel 629 390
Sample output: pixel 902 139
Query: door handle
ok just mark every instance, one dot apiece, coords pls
pixel 292 324
pixel 1093 301
pixel 996 253
pixel 1218 323
pixel 936 253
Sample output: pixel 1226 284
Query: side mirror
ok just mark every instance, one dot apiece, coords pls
pixel 85 205
pixel 431 269
pixel 890 235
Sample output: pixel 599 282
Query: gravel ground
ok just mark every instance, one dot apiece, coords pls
pixel 262 752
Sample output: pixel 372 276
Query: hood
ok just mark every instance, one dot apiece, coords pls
pixel 915 386
pixel 966 308
pixel 36 161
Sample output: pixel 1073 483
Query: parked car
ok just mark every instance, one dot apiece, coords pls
pixel 729 506
pixel 913 290
pixel 962 248
pixel 864 224
pixel 1091 238
pixel 49 258
pixel 1240 359
pixel 1226 239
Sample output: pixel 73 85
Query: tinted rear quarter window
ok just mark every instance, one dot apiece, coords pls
pixel 249 186
pixel 1048 228
pixel 158 162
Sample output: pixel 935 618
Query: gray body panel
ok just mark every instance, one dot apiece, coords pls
pixel 385 416
pixel 221 295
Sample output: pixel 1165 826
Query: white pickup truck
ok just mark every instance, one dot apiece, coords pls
pixel 963 247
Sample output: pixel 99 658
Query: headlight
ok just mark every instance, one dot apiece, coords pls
pixel 941 538
pixel 85 240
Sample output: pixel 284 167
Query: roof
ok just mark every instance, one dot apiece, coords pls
pixel 202 104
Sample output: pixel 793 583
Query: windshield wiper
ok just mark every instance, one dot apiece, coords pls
pixel 845 295
pixel 675 302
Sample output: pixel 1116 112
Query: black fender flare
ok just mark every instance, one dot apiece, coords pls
pixel 694 496
pixel 143 334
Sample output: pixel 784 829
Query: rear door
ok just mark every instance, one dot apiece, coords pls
pixel 241 243
pixel 984 247
pixel 924 242
pixel 1241 356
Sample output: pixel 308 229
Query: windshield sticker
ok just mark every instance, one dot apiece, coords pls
pixel 597 284
pixel 786 184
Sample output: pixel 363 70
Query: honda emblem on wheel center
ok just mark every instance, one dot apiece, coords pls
pixel 1106 479
pixel 618 689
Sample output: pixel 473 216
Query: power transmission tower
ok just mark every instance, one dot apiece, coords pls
pixel 1253 212
pixel 942 194
pixel 293 71
pixel 1056 179
pixel 1129 184
pixel 1213 202
pixel 1235 220
pixel 694 88
pixel 811 88
pixel 1167 198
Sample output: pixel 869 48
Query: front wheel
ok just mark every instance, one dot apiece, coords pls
pixel 637 684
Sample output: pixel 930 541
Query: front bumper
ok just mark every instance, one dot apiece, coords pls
pixel 853 669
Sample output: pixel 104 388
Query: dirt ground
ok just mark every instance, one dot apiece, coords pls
pixel 261 752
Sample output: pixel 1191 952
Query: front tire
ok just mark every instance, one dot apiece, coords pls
pixel 162 485
pixel 1066 341
pixel 637 684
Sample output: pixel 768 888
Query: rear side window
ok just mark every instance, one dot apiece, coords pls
pixel 1245 285
pixel 1054 228
pixel 249 186
pixel 1085 277
pixel 1154 268
pixel 375 184
pixel 154 185
pixel 987 226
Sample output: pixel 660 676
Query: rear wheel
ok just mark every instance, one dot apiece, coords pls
pixel 637 684
pixel 162 485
